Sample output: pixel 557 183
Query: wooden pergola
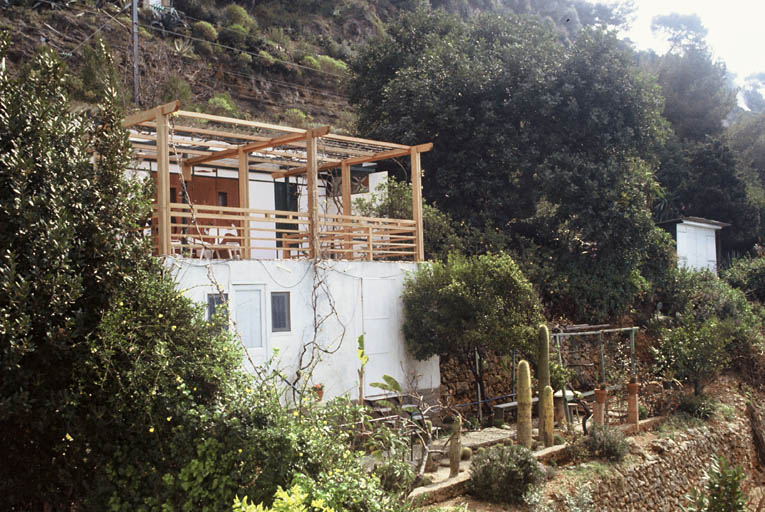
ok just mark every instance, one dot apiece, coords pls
pixel 167 134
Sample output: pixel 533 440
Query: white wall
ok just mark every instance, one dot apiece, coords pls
pixel 366 296
pixel 696 246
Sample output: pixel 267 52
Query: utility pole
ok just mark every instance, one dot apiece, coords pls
pixel 135 52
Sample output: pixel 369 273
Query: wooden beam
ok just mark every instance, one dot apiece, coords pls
pixel 241 122
pixel 313 198
pixel 151 114
pixel 419 254
pixel 346 189
pixel 255 146
pixel 244 198
pixel 163 185
pixel 395 153
pixel 357 140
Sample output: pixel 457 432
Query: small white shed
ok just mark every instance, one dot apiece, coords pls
pixel 696 241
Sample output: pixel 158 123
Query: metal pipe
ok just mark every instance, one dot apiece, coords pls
pixel 565 384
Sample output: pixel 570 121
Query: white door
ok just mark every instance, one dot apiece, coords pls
pixel 249 308
pixel 380 332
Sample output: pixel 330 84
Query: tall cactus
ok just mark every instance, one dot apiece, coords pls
pixel 546 401
pixel 543 371
pixel 524 404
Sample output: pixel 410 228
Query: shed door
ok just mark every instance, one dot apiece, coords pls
pixel 380 297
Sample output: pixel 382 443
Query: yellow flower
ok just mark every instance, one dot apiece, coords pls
pixel 172 327
pixel 294 413
pixel 160 315
pixel 121 304
pixel 151 430
pixel 68 437
pixel 169 418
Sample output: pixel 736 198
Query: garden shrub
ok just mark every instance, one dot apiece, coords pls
pixel 295 117
pixel 176 88
pixel 698 406
pixel 723 490
pixel 205 31
pixel 504 474
pixel 693 352
pixel 607 443
pixel 748 275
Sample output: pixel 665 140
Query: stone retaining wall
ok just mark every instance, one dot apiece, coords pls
pixel 670 467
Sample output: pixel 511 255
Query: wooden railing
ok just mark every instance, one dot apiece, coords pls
pixel 228 232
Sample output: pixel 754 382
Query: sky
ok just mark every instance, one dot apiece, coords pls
pixel 736 29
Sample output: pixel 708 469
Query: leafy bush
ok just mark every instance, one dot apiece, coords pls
pixel 693 352
pixel 723 492
pixel 205 31
pixel 504 474
pixel 332 66
pixel 295 117
pixel 223 104
pixel 310 61
pixel 748 275
pixel 466 303
pixel 265 58
pixel 698 406
pixel 606 442
pixel 176 88
pixel 234 36
pixel 237 15
pixel 244 61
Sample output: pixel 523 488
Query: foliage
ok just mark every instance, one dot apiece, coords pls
pixel 504 474
pixel 694 351
pixel 606 442
pixel 697 94
pixel 204 30
pixel 486 94
pixel 237 15
pixel 748 275
pixel 234 36
pixel 310 61
pixel 266 58
pixel 393 199
pixel 223 104
pixel 699 406
pixel 295 117
pixel 481 302
pixel 331 65
pixel 293 500
pixel 176 88
pixel 723 492
pixel 244 60
pixel 97 77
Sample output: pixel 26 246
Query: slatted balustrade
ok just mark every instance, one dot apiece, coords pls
pixel 229 232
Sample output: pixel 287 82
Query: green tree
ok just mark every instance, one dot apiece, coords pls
pixel 681 30
pixel 472 304
pixel 533 141
pixel 723 491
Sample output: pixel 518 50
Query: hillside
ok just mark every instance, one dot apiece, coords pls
pixel 274 61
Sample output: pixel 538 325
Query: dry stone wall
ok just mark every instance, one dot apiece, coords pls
pixel 668 468
pixel 459 384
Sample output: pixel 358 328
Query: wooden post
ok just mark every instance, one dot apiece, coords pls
pixel 244 200
pixel 599 415
pixel 419 253
pixel 370 247
pixel 633 413
pixel 163 184
pixel 312 173
pixel 347 210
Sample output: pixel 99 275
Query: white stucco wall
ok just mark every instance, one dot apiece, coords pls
pixel 696 246
pixel 366 296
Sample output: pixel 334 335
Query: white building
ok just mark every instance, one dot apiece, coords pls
pixel 696 241
pixel 260 216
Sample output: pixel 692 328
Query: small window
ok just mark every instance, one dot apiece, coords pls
pixel 222 199
pixel 214 302
pixel 280 311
